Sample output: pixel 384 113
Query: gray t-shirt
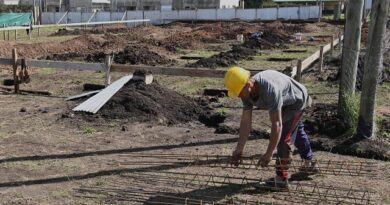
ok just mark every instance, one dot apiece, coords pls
pixel 277 92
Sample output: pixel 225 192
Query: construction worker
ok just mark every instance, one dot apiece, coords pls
pixel 285 99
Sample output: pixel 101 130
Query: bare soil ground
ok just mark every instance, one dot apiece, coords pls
pixel 50 155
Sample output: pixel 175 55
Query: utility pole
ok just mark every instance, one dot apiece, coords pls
pixel 350 55
pixel 372 65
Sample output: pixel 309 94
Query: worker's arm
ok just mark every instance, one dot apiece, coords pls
pixel 276 132
pixel 245 128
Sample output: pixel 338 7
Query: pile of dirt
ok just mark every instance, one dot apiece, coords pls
pixel 317 27
pixel 329 133
pixel 226 59
pixel 132 54
pixel 66 56
pixel 77 31
pixel 154 103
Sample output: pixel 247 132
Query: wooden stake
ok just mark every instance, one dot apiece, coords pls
pixel 340 40
pixel 16 34
pixel 4 35
pixel 332 46
pixel 29 33
pixel 108 69
pixel 39 32
pixel 299 71
pixel 15 69
pixel 8 34
pixel 321 58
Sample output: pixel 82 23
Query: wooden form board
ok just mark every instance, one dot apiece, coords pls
pixel 170 71
pixel 191 72
pixel 56 64
pixel 311 59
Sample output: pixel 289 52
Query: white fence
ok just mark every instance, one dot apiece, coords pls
pixel 161 17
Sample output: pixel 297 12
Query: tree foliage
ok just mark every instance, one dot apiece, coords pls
pixel 257 3
pixel 15 8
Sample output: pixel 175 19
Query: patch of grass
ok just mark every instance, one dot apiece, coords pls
pixel 45 39
pixel 26 165
pixel 351 112
pixel 221 111
pixel 188 85
pixel 89 130
pixel 46 71
pixel 114 124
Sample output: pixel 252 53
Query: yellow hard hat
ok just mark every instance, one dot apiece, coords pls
pixel 235 80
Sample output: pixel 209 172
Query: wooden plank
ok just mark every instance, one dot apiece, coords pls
pixel 6 61
pixel 311 59
pixel 170 71
pixel 28 91
pixel 65 65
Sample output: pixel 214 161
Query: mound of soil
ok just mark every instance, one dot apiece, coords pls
pixel 154 103
pixel 270 39
pixel 140 102
pixel 132 54
pixel 323 120
pixel 226 59
pixel 329 133
pixel 65 56
pixel 76 32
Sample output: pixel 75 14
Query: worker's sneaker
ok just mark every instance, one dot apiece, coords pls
pixel 273 184
pixel 310 167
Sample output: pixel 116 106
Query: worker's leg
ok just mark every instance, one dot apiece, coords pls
pixel 284 150
pixel 302 143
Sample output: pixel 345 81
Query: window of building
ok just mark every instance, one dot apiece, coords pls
pixel 131 8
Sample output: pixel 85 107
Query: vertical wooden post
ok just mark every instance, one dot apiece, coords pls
pixel 15 69
pixel 39 32
pixel 8 34
pixel 29 32
pixel 332 46
pixel 340 40
pixel 108 68
pixel 299 71
pixel 321 58
pixel 4 35
pixel 16 34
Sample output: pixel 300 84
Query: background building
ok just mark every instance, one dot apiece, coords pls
pixel 9 2
pixel 204 4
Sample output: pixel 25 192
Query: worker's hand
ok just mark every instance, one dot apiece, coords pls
pixel 236 158
pixel 264 160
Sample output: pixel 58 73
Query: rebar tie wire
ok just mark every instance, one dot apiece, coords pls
pixel 325 167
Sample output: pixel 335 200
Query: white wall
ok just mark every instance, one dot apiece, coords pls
pixel 161 17
pixel 368 4
pixel 10 2
pixel 228 4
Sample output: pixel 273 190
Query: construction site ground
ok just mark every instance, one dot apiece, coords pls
pixel 50 155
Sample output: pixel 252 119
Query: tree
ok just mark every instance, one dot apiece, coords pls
pixel 373 63
pixel 350 55
pixel 256 3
